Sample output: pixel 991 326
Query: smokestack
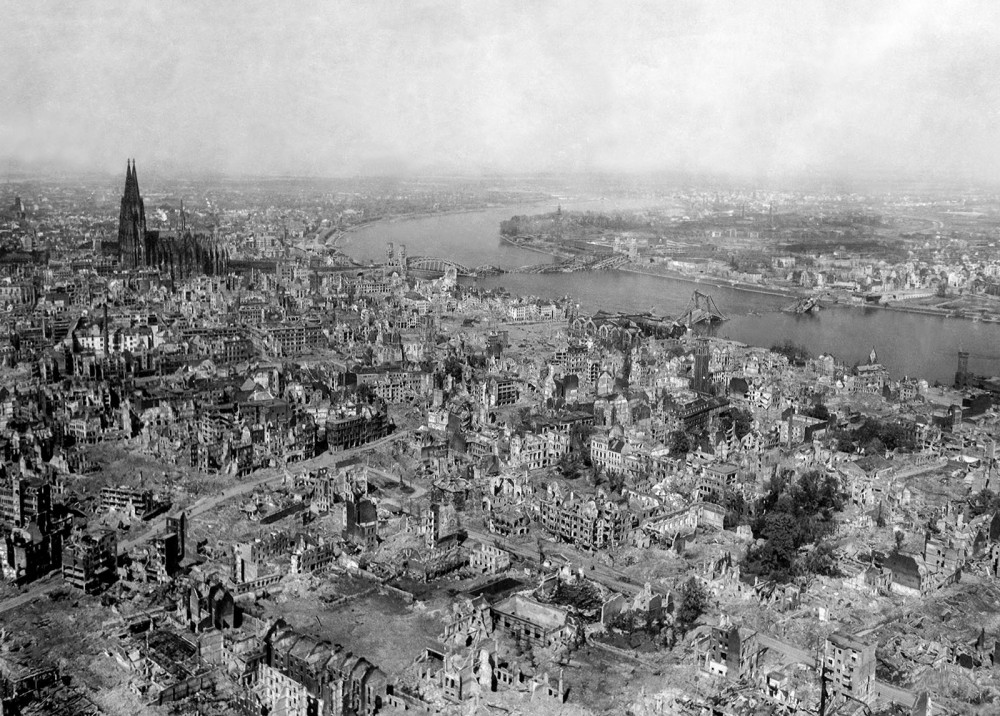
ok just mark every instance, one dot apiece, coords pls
pixel 105 328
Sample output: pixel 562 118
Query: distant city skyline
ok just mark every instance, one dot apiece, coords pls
pixel 752 91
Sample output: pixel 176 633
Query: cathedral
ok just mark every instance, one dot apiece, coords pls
pixel 176 254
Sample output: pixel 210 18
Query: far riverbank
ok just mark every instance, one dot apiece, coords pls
pixel 417 215
pixel 910 343
pixel 716 281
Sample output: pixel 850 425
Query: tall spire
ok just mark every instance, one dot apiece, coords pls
pixel 131 181
pixel 131 221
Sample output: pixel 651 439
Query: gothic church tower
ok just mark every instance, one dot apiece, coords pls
pixel 131 223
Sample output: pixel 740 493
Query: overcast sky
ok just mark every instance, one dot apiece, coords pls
pixel 333 88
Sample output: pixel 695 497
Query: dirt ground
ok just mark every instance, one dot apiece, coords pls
pixel 387 630
pixel 67 631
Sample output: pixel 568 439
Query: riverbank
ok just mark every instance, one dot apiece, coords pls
pixel 788 293
pixel 675 275
pixel 716 281
pixel 924 311
pixel 417 215
pixel 534 249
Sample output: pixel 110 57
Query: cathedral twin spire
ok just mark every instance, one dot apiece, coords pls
pixel 180 255
pixel 131 222
pixel 131 179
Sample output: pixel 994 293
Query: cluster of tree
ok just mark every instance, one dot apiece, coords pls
pixel 455 366
pixel 640 631
pixel 617 222
pixel 749 262
pixel 576 462
pixel 737 509
pixel 522 225
pixel 852 218
pixel 984 502
pixel 875 437
pixel 366 394
pixel 571 465
pixel 514 226
pixel 738 417
pixel 819 411
pixel 679 442
pixel 796 354
pixel 613 482
pixel 644 631
pixel 694 603
pixel 581 594
pixel 791 523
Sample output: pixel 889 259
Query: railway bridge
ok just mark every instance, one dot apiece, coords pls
pixel 434 267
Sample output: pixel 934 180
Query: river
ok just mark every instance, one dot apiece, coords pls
pixel 907 344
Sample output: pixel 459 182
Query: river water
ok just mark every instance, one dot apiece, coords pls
pixel 908 344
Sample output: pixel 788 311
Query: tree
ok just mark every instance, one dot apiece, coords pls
pixel 679 443
pixel 842 441
pixel 365 392
pixel 694 602
pixel 821 560
pixel 874 447
pixel 570 465
pixel 983 502
pixel 453 367
pixel 579 440
pixel 819 411
pixel 599 476
pixel 616 482
pixel 793 514
pixel 736 509
pixel 776 556
pixel 624 621
pixel 797 355
pixel 740 418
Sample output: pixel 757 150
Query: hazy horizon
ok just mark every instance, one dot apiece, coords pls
pixel 762 91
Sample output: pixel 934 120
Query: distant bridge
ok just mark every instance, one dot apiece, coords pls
pixel 433 265
pixel 578 263
pixel 701 308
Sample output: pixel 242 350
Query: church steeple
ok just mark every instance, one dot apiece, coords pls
pixel 131 221
pixel 131 180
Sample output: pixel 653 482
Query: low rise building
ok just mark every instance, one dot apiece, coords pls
pixel 849 668
pixel 529 621
pixel 89 562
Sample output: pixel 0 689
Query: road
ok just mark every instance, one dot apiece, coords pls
pixel 267 475
pixel 888 692
pixel 35 591
pixel 199 507
pixel 885 692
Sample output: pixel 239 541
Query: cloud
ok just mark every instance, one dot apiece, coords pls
pixel 333 88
